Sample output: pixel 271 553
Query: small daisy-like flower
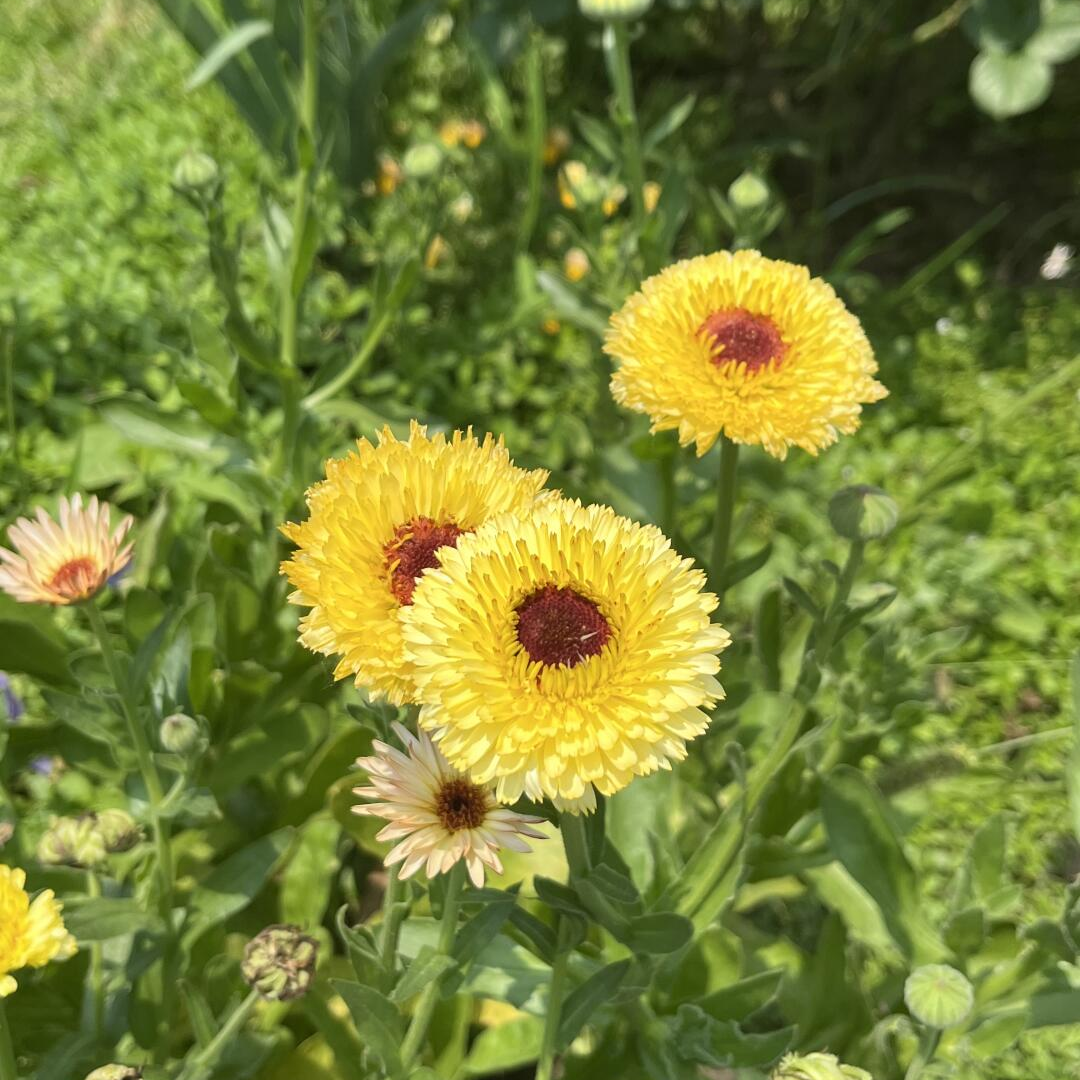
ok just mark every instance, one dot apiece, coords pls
pixel 31 931
pixel 439 815
pixel 750 347
pixel 563 654
pixel 66 562
pixel 379 520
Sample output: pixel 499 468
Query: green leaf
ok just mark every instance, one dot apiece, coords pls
pixel 1072 768
pixel 427 967
pixel 144 425
pixel 614 885
pixel 482 927
pixel 965 931
pixel 997 1033
pixel 600 137
pixel 361 947
pixel 379 1023
pixel 559 897
pixel 802 598
pixel 741 999
pixel 505 1048
pixel 1058 36
pixel 659 933
pixel 1002 25
pixel 1007 84
pixel 594 992
pixel 104 918
pixel 28 651
pixel 669 123
pixel 309 874
pixel 199 1012
pixel 234 42
pixel 741 569
pixel 862 838
pixel 767 635
pixel 721 1044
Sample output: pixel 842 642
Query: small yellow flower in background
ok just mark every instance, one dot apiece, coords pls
pixel 551 326
pixel 437 249
pixel 614 197
pixel 462 207
pixel 66 562
pixel 470 133
pixel 450 133
pixel 388 176
pixel 650 195
pixel 379 520
pixel 573 177
pixel 563 653
pixel 750 347
pixel 31 932
pixel 575 264
pixel 439 815
pixel 556 143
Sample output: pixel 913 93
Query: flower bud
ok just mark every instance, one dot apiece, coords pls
pixel 862 512
pixel 72 842
pixel 650 195
pixel 116 1072
pixel 748 192
pixel 279 963
pixel 575 264
pixel 118 830
pixel 817 1067
pixel 180 734
pixel 938 995
pixel 556 143
pixel 613 10
pixel 197 174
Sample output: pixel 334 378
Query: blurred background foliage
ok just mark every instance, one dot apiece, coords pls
pixel 921 156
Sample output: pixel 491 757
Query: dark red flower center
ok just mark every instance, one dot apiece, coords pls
pixel 76 579
pixel 560 626
pixel 460 804
pixel 739 337
pixel 413 550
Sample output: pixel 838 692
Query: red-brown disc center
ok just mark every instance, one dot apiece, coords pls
pixel 413 550
pixel 738 337
pixel 560 626
pixel 460 804
pixel 76 579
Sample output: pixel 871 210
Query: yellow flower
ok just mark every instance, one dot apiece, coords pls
pixel 551 326
pixel 750 347
pixel 450 133
pixel 389 175
pixel 31 933
pixel 473 133
pixel 613 199
pixel 575 264
pixel 439 815
pixel 650 195
pixel 377 522
pixel 63 563
pixel 573 180
pixel 556 143
pixel 436 251
pixel 563 653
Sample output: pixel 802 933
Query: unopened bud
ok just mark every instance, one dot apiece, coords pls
pixel 116 1072
pixel 575 264
pixel 196 174
pixel 180 734
pixel 938 995
pixel 748 192
pixel 72 842
pixel 613 10
pixel 862 512
pixel 817 1067
pixel 279 963
pixel 118 830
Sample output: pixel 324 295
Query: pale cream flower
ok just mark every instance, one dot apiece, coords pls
pixel 66 562
pixel 439 815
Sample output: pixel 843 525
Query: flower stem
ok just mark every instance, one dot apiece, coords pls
pixel 823 642
pixel 617 47
pixel 393 915
pixel 425 1007
pixel 199 1066
pixel 7 1050
pixel 545 1065
pixel 725 509
pixel 97 968
pixel 536 123
pixel 575 843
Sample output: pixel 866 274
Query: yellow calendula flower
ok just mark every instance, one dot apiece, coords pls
pixel 563 654
pixel 380 519
pixel 750 347
pixel 67 561
pixel 31 931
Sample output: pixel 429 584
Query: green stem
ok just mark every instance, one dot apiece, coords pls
pixel 425 1007
pixel 668 493
pixel 294 275
pixel 576 844
pixel 536 123
pixel 726 480
pixel 371 339
pixel 97 966
pixel 545 1065
pixel 393 916
pixel 9 406
pixel 617 46
pixel 200 1065
pixel 8 1070
pixel 823 641
pixel 928 1044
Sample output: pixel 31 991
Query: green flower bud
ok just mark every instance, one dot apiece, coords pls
pixel 614 10
pixel 817 1067
pixel 180 734
pixel 279 963
pixel 118 830
pixel 748 192
pixel 72 842
pixel 116 1072
pixel 862 512
pixel 938 995
pixel 197 174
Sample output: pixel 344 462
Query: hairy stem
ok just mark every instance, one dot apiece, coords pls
pixel 200 1065
pixel 726 479
pixel 617 44
pixel 7 1049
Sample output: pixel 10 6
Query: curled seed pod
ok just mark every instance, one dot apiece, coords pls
pixel 817 1067
pixel 279 963
pixel 72 841
pixel 118 829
